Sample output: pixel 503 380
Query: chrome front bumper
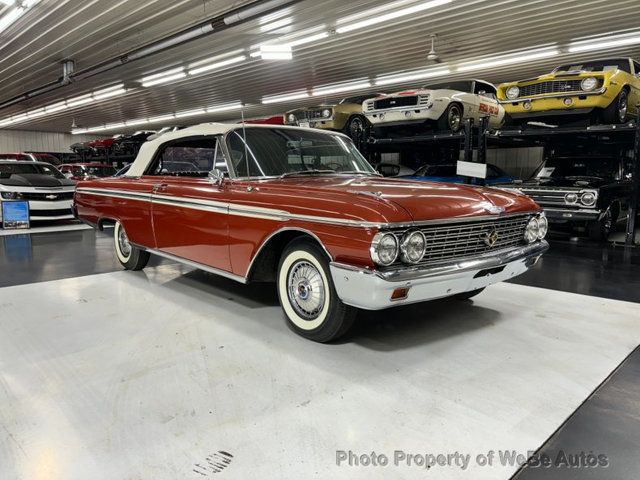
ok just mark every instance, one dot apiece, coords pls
pixel 373 289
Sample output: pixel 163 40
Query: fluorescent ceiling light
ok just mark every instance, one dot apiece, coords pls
pixel 191 113
pixel 285 97
pixel 604 43
pixel 40 112
pixel 224 108
pixel 345 87
pixel 217 65
pixel 78 131
pixel 11 17
pixel 276 52
pixel 111 126
pixel 8 2
pixel 81 100
pixel 56 107
pixel 508 59
pixel 375 18
pixel 217 58
pixel 309 39
pixel 163 77
pixel 110 94
pixel 411 76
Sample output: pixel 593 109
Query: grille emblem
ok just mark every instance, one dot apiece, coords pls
pixel 494 209
pixel 51 196
pixel 490 238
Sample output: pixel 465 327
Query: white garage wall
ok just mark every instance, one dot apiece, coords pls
pixel 13 141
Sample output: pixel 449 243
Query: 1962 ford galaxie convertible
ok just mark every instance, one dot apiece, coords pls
pixel 303 208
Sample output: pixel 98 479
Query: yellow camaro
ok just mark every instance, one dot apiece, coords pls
pixel 607 91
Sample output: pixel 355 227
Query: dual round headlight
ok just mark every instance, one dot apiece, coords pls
pixel 513 92
pixel 586 198
pixel 537 229
pixel 588 84
pixel 385 248
pixel 326 113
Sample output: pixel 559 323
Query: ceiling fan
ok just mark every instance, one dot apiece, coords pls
pixel 433 56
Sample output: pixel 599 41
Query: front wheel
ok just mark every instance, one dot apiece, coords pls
pixel 451 119
pixel 599 230
pixel 617 111
pixel 355 128
pixel 308 297
pixel 131 257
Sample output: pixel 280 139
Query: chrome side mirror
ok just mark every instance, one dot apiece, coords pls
pixel 216 177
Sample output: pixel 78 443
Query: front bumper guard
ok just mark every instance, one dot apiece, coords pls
pixel 373 289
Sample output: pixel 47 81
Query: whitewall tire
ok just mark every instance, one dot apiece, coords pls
pixel 131 257
pixel 308 297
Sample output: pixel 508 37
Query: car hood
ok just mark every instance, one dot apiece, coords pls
pixel 387 200
pixel 572 182
pixel 35 180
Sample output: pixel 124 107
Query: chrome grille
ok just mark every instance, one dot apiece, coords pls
pixel 549 196
pixel 43 196
pixel 461 240
pixel 554 86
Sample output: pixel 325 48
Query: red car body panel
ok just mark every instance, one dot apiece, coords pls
pixel 228 238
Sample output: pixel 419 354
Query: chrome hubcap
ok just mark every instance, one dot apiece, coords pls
pixel 454 118
pixel 306 290
pixel 123 242
pixel 622 107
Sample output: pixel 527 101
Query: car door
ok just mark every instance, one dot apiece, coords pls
pixel 189 212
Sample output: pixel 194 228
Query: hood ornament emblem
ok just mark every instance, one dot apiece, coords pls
pixel 494 209
pixel 490 238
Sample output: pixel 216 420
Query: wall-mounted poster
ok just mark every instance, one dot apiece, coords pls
pixel 15 215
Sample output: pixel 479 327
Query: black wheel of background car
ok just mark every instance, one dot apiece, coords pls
pixel 451 119
pixel 355 129
pixel 307 295
pixel 468 295
pixel 131 258
pixel 617 111
pixel 600 230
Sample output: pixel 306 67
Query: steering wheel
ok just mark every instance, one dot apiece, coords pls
pixel 338 167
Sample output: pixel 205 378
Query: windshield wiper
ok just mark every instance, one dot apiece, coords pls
pixel 306 172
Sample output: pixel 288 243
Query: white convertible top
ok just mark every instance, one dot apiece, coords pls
pixel 148 149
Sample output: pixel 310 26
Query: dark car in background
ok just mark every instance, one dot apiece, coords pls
pixel 590 192
pixel 130 144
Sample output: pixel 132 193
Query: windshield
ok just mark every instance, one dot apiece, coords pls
pixel 8 169
pixel 96 171
pixel 601 66
pixel 278 151
pixel 599 167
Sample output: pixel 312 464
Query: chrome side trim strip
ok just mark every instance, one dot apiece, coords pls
pixel 279 215
pixel 199 266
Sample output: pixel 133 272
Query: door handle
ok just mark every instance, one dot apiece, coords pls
pixel 160 187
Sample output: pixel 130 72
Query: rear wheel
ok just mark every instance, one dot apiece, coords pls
pixel 355 128
pixel 131 257
pixel 308 297
pixel 617 111
pixel 451 119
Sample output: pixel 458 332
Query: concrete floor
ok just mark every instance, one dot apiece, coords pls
pixel 175 374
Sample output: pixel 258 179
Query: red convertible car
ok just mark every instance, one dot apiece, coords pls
pixel 302 208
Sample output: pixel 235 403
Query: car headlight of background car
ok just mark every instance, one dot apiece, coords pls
pixel 588 198
pixel 513 92
pixel 412 247
pixel 384 248
pixel 589 83
pixel 326 113
pixel 537 228
pixel 11 195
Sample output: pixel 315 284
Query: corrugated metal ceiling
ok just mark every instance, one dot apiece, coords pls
pixel 93 31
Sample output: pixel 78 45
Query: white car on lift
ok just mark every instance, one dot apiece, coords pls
pixel 48 191
pixel 447 104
